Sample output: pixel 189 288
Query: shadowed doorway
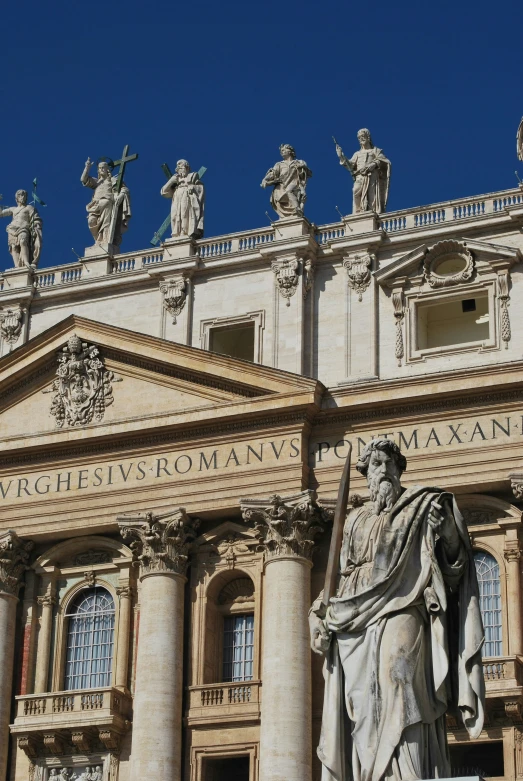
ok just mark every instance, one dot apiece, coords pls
pixel 226 769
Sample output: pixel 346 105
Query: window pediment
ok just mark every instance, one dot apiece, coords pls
pixel 448 263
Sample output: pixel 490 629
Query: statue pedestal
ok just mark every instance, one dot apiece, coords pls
pixel 291 227
pixel 460 778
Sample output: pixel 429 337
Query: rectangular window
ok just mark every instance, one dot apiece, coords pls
pixel 236 341
pixel 458 321
pixel 238 648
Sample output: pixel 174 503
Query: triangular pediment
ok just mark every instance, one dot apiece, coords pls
pixel 412 263
pixel 82 378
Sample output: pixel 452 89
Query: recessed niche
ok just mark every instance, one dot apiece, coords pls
pixel 458 321
pixel 450 266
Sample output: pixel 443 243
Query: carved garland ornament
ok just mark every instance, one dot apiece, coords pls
pixel 358 271
pixel 82 389
pixel 441 251
pixel 174 292
pixel 285 528
pixel 11 322
pixel 286 277
pixel 160 543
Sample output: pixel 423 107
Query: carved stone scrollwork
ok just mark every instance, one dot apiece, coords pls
pixel 82 741
pixel 512 552
pixel 448 250
pixel 90 577
pixel 286 527
pixel 83 386
pixel 514 710
pixel 504 302
pixel 174 292
pixel 92 557
pixel 516 483
pixel 11 322
pixel 14 558
pixel 399 314
pixel 475 517
pixel 110 739
pixel 53 743
pixel 518 739
pixel 125 592
pixel 358 270
pixel 286 274
pixel 160 543
pixel 28 745
pixel 47 600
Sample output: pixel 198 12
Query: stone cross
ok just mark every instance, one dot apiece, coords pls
pixel 126 158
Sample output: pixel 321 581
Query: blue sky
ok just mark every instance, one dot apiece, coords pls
pixel 223 84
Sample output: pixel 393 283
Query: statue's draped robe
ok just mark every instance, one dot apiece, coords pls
pixel 100 209
pixel 406 646
pixel 187 207
pixel 291 180
pixel 371 190
pixel 25 227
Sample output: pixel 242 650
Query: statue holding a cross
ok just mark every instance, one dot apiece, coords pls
pixel 109 211
pixel 188 198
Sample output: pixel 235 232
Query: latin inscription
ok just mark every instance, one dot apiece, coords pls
pixel 422 438
pixel 192 464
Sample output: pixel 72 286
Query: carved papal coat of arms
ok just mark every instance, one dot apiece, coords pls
pixel 83 386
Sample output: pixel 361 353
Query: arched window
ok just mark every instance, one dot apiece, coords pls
pixel 487 569
pixel 90 640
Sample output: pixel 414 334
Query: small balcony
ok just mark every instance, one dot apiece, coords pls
pixel 221 703
pixel 80 719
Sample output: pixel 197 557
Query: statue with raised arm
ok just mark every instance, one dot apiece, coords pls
pixel 109 211
pixel 370 170
pixel 402 635
pixel 187 194
pixel 24 232
pixel 289 181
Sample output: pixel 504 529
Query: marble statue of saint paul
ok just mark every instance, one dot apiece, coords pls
pixel 402 636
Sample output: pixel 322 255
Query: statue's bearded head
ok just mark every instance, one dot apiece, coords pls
pixel 183 168
pixel 287 151
pixel 104 170
pixel 382 463
pixel 21 197
pixel 364 138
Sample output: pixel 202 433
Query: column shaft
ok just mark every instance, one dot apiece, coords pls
pixel 286 715
pixel 124 627
pixel 7 644
pixel 157 726
pixel 514 603
pixel 44 646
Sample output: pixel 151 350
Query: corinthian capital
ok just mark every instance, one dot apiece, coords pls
pixel 160 543
pixel 14 555
pixel 286 526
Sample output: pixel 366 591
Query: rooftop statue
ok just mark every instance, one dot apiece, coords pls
pixel 402 632
pixel 188 199
pixel 109 211
pixel 519 141
pixel 24 232
pixel 289 180
pixel 370 170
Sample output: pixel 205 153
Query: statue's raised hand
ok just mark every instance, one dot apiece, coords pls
pixel 339 151
pixel 88 163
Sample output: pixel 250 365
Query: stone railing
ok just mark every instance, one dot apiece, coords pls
pixel 502 672
pixel 449 211
pixel 247 241
pixel 220 702
pixel 42 708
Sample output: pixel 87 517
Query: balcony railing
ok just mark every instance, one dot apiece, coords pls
pixel 224 702
pixel 42 710
pixel 503 673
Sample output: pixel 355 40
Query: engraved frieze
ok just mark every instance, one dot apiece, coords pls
pixel 83 388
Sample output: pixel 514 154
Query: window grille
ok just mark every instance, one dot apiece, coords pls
pixel 238 648
pixel 90 640
pixel 487 569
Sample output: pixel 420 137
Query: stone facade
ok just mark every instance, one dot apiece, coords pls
pixel 185 488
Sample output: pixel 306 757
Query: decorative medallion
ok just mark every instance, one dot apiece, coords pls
pixel 82 388
pixel 359 273
pixel 448 263
pixel 286 276
pixel 11 322
pixel 174 293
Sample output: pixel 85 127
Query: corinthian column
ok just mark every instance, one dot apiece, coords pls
pixel 160 545
pixel 286 528
pixel 14 554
